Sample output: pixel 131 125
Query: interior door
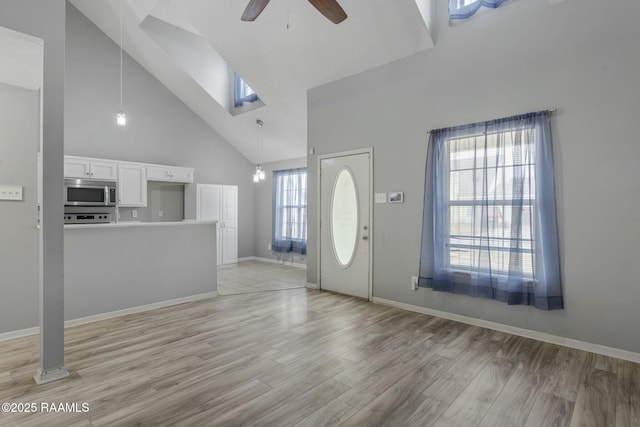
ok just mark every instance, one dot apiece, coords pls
pixel 220 203
pixel 345 219
pixel 209 206
pixel 229 224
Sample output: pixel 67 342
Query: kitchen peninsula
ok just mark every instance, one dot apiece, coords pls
pixel 124 266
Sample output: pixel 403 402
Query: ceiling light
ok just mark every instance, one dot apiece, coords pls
pixel 121 118
pixel 258 174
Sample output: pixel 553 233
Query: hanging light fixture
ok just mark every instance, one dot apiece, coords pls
pixel 259 174
pixel 121 116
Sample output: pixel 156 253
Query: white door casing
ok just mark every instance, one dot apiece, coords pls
pixel 345 223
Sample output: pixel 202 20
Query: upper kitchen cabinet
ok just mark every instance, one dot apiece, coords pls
pixel 132 185
pixel 170 174
pixel 79 167
pixel 131 177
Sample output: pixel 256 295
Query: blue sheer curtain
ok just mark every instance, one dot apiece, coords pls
pixel 242 92
pixel 489 224
pixel 463 9
pixel 290 211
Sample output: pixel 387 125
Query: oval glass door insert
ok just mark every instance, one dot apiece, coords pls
pixel 344 217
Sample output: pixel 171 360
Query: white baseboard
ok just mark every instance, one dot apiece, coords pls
pixel 19 333
pixel 540 336
pixel 273 261
pixel 138 309
pixel 312 285
pixel 110 315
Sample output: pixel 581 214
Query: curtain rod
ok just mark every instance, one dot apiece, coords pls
pixel 549 111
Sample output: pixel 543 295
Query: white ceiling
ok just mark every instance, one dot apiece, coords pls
pixel 279 63
pixel 22 59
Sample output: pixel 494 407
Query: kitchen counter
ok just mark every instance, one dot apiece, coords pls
pixel 122 224
pixel 121 266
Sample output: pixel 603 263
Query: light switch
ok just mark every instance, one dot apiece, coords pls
pixel 10 192
pixel 381 197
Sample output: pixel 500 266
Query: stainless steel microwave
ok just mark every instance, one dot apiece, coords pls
pixel 86 192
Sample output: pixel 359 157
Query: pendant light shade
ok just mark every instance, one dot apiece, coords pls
pixel 121 117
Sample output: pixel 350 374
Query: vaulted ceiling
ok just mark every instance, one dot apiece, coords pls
pixel 289 49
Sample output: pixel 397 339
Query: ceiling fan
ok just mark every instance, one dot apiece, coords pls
pixel 329 8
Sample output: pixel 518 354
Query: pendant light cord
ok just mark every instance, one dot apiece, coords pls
pixel 260 123
pixel 121 38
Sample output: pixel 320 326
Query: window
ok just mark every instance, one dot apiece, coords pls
pixel 491 187
pixel 463 9
pixel 290 211
pixel 242 92
pixel 490 227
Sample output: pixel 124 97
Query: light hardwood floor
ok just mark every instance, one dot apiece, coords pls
pixel 257 276
pixel 307 358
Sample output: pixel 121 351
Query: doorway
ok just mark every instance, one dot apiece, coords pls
pixel 21 73
pixel 345 222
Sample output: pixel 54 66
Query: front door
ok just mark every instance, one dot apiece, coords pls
pixel 345 220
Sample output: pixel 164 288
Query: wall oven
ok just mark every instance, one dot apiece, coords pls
pixel 85 192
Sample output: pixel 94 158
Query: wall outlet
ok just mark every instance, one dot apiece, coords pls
pixel 414 283
pixel 160 213
pixel 11 192
pixel 269 246
pixel 134 213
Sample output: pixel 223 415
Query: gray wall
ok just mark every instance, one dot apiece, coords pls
pixel 160 128
pixel 19 252
pixel 46 19
pixel 581 57
pixel 264 212
pixel 161 196
pixel 142 269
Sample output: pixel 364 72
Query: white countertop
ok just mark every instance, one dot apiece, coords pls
pixel 122 224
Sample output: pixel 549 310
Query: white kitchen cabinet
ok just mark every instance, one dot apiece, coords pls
pixel 169 174
pixel 79 167
pixel 132 185
pixel 104 170
pixel 220 203
pixel 131 177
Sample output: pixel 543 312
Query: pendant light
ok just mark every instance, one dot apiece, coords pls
pixel 121 116
pixel 259 174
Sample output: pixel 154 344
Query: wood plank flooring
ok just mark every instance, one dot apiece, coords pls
pixel 306 358
pixel 256 276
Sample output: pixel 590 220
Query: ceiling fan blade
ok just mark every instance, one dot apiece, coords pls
pixel 330 9
pixel 254 9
